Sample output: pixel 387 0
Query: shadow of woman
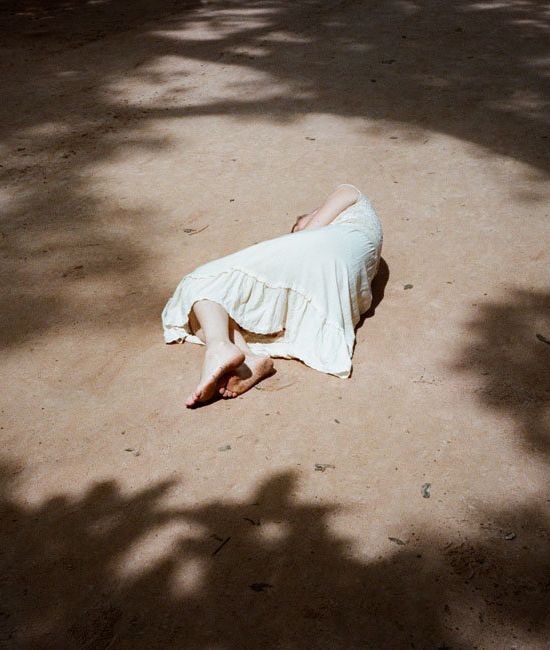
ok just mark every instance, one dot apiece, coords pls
pixel 378 288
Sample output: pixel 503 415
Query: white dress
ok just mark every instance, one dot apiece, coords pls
pixel 297 296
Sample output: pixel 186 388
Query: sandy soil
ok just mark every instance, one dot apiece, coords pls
pixel 140 139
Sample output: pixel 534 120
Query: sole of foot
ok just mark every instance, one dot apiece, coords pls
pixel 253 370
pixel 219 359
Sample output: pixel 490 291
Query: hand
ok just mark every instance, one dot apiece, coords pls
pixel 304 220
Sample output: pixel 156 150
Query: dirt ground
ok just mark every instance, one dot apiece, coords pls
pixel 140 139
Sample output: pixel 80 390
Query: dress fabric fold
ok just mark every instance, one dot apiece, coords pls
pixel 297 296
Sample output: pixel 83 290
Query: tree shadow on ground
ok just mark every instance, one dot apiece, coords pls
pixel 504 351
pixel 266 572
pixel 475 71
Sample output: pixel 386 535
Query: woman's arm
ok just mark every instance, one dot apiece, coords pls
pixel 335 203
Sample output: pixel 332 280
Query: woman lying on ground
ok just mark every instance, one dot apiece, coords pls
pixel 297 296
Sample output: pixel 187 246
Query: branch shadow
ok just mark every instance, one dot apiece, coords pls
pixel 475 71
pixel 61 238
pixel 90 572
pixel 503 350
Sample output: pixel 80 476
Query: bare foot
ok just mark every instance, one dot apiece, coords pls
pixel 249 373
pixel 219 358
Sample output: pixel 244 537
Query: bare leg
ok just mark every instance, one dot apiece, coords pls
pixel 221 355
pixel 254 368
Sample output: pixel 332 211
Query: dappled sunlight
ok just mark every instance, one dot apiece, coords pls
pixel 156 543
pixel 265 571
pixel 140 139
pixel 91 85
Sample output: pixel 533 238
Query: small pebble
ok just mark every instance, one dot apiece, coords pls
pixel 397 541
pixel 321 467
pixel 260 586
pixel 407 286
pixel 224 448
pixel 425 490
pixel 510 536
pixel 129 449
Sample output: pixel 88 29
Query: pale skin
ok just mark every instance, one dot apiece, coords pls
pixel 230 367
